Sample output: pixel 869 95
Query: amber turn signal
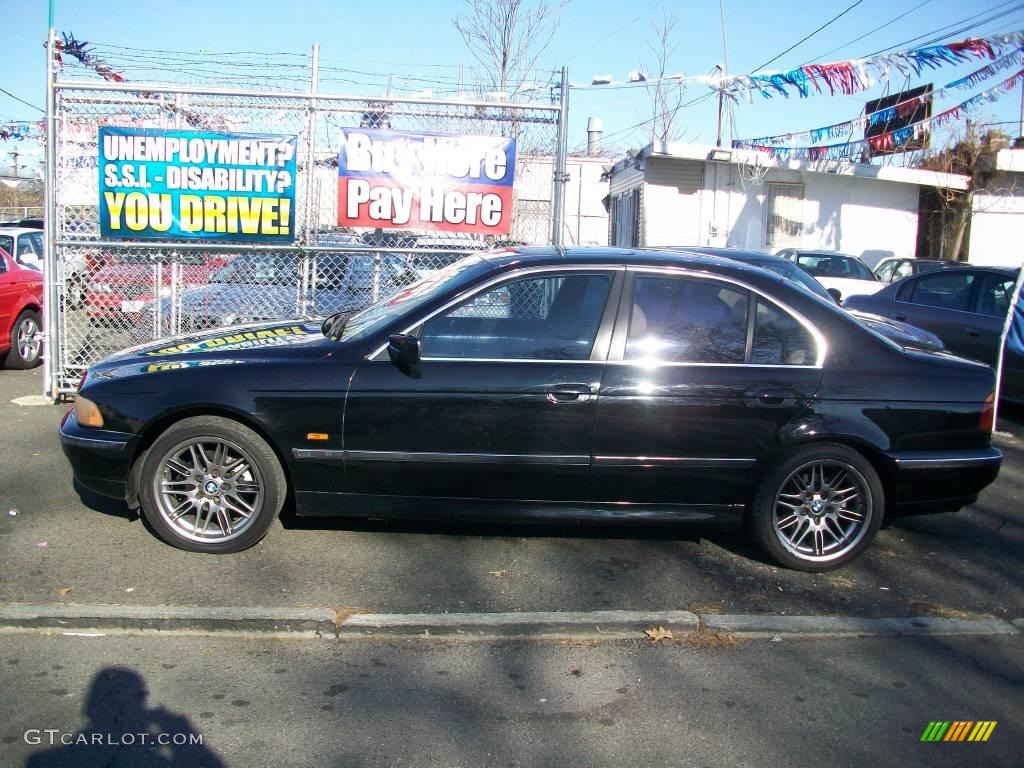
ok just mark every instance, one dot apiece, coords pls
pixel 86 412
pixel 317 436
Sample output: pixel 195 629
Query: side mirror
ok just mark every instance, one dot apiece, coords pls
pixel 404 350
pixel 836 294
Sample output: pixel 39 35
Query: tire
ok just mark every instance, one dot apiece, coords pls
pixel 817 508
pixel 210 484
pixel 25 353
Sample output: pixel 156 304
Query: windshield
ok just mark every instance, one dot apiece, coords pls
pixel 7 243
pixel 407 300
pixel 261 269
pixel 834 265
pixel 794 274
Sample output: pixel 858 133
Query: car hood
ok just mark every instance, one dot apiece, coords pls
pixel 235 344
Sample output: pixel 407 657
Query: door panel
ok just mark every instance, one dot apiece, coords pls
pixel 688 428
pixel 502 404
pixel 490 430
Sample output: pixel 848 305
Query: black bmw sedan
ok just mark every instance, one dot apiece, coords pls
pixel 587 385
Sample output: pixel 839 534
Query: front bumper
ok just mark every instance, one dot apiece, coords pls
pixel 941 481
pixel 101 459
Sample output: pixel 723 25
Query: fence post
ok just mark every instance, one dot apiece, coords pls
pixel 560 177
pixel 305 284
pixel 52 352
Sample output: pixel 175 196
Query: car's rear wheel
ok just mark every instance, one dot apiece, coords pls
pixel 210 484
pixel 818 508
pixel 26 345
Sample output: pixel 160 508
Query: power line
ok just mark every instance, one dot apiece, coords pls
pixel 868 34
pixel 942 33
pixel 808 37
pixel 606 38
pixel 22 100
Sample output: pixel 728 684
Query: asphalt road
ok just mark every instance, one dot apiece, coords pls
pixel 57 549
pixel 308 703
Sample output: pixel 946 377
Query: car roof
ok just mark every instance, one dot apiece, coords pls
pixel 610 256
pixel 17 229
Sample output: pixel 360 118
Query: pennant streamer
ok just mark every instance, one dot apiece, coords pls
pixel 891 139
pixel 902 109
pixel 856 75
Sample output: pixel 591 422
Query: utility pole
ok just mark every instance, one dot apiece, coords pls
pixel 15 155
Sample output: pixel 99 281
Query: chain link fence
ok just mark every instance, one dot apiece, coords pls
pixel 112 293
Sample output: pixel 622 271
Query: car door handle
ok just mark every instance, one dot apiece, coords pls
pixel 569 393
pixel 972 332
pixel 776 398
pixel 901 318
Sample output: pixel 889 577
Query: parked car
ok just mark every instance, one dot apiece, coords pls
pixel 21 305
pixel 129 280
pixel 24 240
pixel 841 274
pixel 895 268
pixel 262 286
pixel 902 333
pixel 966 307
pixel 622 385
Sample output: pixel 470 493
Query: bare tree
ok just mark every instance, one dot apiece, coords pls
pixel 507 38
pixel 665 93
pixel 967 153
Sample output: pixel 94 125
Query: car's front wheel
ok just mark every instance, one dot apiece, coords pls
pixel 210 484
pixel 26 345
pixel 818 507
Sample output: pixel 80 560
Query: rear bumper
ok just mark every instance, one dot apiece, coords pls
pixel 100 459
pixel 941 481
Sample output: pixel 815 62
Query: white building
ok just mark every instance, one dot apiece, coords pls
pixel 693 194
pixel 997 220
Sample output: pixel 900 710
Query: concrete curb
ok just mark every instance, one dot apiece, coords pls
pixel 323 622
pixel 851 626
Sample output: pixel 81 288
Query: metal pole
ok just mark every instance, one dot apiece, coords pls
pixel 51 348
pixel 304 277
pixel 1014 300
pixel 561 149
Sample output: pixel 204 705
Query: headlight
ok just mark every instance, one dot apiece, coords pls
pixel 87 412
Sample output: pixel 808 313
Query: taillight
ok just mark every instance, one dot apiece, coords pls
pixel 988 412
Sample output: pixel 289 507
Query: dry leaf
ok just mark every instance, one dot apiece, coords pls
pixel 498 574
pixel 658 634
pixel 63 591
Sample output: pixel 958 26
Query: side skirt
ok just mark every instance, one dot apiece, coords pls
pixel 316 504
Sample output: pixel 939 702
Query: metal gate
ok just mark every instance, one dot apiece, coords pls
pixel 104 294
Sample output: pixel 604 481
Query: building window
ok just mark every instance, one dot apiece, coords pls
pixel 626 219
pixel 784 219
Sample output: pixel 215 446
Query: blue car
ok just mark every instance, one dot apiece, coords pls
pixel 264 286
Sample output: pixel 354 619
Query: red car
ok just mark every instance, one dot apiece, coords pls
pixel 21 303
pixel 124 286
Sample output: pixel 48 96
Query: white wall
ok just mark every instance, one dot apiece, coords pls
pixel 997 229
pixel 671 202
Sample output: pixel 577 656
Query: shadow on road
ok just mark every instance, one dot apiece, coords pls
pixel 121 730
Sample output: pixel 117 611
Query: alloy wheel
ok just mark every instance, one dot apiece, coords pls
pixel 28 341
pixel 208 489
pixel 822 510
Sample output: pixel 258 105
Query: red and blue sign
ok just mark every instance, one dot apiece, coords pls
pixel 404 180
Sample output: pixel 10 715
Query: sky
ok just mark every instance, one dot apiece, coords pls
pixel 414 42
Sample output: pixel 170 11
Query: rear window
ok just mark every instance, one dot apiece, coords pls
pixel 944 290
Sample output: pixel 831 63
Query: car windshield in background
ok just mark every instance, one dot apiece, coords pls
pixel 380 314
pixel 834 265
pixel 793 273
pixel 259 269
pixel 7 243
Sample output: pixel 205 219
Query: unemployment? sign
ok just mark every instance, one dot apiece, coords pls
pixel 425 181
pixel 171 184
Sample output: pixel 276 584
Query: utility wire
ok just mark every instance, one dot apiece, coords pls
pixel 868 34
pixel 942 33
pixel 808 37
pixel 22 100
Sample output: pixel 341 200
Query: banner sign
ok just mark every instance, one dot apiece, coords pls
pixel 175 184
pixel 396 179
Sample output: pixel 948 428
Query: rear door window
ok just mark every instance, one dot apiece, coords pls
pixel 994 293
pixel 944 290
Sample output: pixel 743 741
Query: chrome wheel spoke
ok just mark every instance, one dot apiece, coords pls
pixel 822 510
pixel 208 489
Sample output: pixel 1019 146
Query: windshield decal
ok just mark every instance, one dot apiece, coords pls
pixel 267 337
